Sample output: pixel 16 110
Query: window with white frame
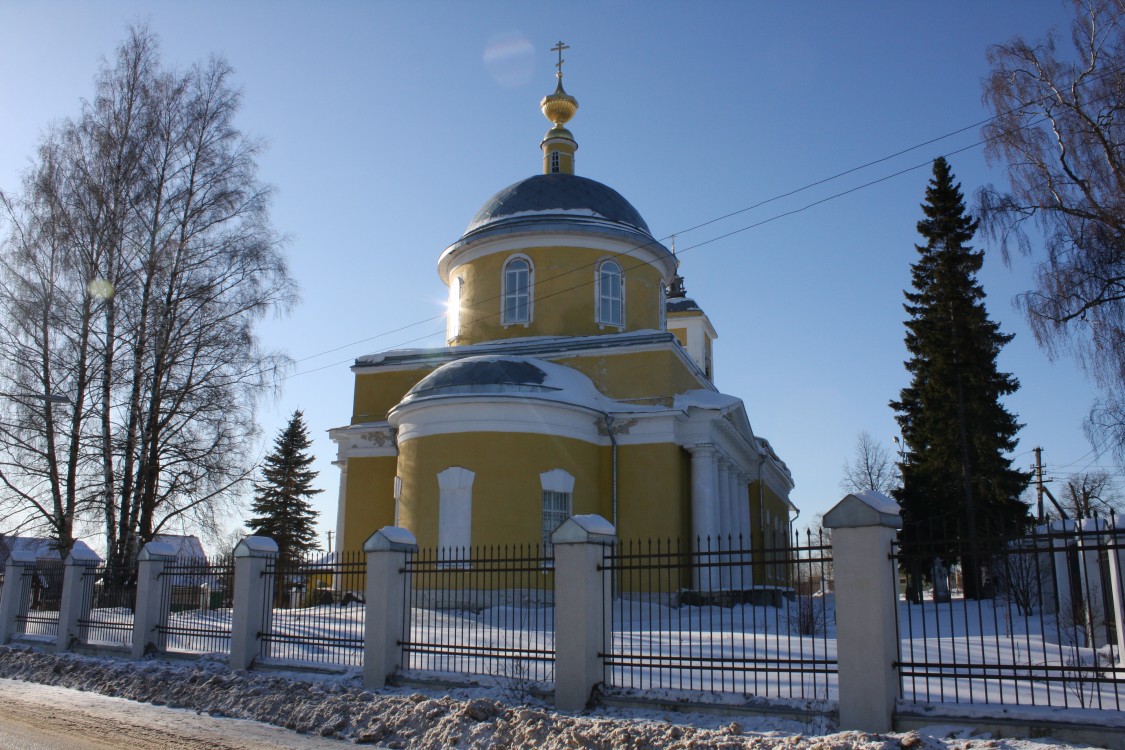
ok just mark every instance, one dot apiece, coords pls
pixel 558 491
pixel 456 292
pixel 611 294
pixel 455 507
pixel 517 292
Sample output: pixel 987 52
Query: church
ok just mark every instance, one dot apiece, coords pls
pixel 577 378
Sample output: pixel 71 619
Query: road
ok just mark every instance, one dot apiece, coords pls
pixel 40 717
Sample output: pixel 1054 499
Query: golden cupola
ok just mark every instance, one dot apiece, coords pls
pixel 559 144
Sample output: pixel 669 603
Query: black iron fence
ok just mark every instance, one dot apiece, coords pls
pixel 484 610
pixel 109 600
pixel 42 593
pixel 1025 619
pixel 198 596
pixel 315 609
pixel 723 617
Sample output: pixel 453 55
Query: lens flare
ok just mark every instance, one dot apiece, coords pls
pixel 100 288
pixel 509 58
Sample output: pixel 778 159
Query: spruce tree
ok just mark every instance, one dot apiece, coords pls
pixel 958 485
pixel 282 499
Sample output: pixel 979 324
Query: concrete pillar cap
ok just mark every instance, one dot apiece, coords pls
pixel 80 556
pixel 391 539
pixel 256 546
pixel 865 508
pixel 585 529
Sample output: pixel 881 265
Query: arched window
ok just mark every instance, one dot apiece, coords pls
pixel 455 507
pixel 517 292
pixel 555 166
pixel 611 294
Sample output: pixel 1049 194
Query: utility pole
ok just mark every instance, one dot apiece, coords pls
pixel 1038 469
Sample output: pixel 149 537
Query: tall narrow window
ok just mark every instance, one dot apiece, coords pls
pixel 555 167
pixel 455 507
pixel 558 487
pixel 662 312
pixel 517 292
pixel 611 295
pixel 456 292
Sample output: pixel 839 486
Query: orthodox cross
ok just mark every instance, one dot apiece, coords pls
pixel 559 48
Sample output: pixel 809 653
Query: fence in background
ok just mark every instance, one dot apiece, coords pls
pixel 41 596
pixel 728 634
pixel 109 598
pixel 198 596
pixel 315 610
pixel 481 611
pixel 1027 620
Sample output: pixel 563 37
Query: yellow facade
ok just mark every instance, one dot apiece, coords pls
pixel 562 390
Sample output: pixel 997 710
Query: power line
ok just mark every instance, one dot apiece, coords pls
pixel 784 214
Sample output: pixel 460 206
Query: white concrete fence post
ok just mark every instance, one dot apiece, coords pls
pixel 387 589
pixel 253 598
pixel 863 527
pixel 149 612
pixel 583 598
pixel 77 596
pixel 16 593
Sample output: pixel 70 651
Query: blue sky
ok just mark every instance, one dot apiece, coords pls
pixel 389 124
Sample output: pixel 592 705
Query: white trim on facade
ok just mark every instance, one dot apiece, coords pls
pixel 455 507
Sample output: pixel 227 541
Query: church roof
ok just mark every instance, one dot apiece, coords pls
pixel 557 195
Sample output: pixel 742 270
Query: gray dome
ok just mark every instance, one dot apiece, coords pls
pixel 481 375
pixel 564 196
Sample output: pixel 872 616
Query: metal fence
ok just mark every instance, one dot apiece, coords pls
pixel 723 617
pixel 484 610
pixel 109 600
pixel 198 597
pixel 1028 619
pixel 40 599
pixel 315 610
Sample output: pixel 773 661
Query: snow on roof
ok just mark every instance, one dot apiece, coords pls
pixel 38 547
pixel 702 399
pixel 878 501
pixel 186 547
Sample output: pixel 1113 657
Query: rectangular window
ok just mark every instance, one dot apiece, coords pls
pixel 556 509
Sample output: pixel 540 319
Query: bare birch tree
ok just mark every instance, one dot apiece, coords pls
pixel 872 467
pixel 167 260
pixel 1059 131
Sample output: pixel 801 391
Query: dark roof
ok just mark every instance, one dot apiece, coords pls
pixel 560 192
pixel 481 374
pixel 683 304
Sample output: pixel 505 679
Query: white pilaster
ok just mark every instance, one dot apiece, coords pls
pixel 704 507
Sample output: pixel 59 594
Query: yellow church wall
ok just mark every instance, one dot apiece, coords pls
pixel 563 295
pixel 507 493
pixel 376 393
pixel 370 503
pixel 652 492
pixel 767 570
pixel 636 375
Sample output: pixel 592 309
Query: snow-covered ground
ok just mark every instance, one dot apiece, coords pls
pixel 476 718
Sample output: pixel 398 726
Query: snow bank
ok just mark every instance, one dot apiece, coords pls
pixel 339 706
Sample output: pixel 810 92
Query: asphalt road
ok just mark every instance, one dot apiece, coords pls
pixel 39 717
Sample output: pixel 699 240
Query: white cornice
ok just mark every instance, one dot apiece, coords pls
pixel 364 440
pixel 652 253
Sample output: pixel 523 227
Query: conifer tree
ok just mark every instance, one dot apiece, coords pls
pixel 959 487
pixel 282 499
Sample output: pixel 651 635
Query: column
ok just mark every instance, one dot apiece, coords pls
pixel 17 591
pixel 77 596
pixel 388 587
pixel 150 611
pixel 704 505
pixel 726 529
pixel 582 607
pixel 253 598
pixel 1093 585
pixel 1116 542
pixel 866 598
